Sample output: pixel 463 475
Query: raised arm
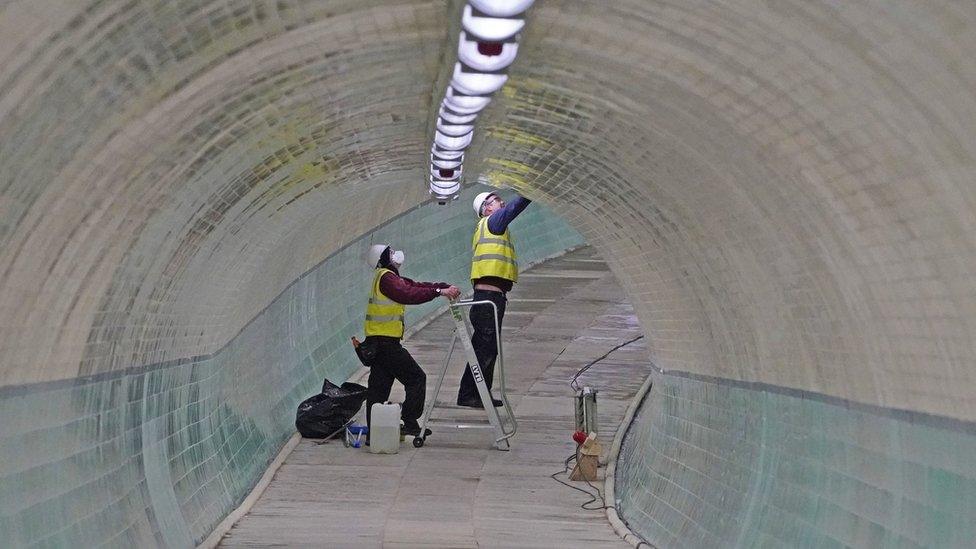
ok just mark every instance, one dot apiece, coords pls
pixel 499 220
pixel 406 291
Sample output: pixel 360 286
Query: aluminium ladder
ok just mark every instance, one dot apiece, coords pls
pixel 503 426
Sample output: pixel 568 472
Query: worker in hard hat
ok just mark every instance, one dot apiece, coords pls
pixel 494 269
pixel 389 294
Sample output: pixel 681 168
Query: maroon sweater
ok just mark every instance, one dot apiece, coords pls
pixel 406 291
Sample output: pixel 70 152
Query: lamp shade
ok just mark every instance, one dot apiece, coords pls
pixel 452 143
pixel 446 174
pixel 453 130
pixel 465 104
pixel 471 82
pixel 446 154
pixel 445 163
pixel 455 118
pixel 500 8
pixel 495 29
pixel 470 52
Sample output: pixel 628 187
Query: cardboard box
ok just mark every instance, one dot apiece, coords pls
pixel 588 460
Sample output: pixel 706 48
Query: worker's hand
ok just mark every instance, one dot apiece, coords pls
pixel 451 292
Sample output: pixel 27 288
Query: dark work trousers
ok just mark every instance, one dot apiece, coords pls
pixel 393 362
pixel 483 340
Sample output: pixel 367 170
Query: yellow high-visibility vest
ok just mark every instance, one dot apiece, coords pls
pixel 384 317
pixel 494 255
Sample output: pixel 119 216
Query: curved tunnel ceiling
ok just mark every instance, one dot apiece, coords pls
pixel 784 189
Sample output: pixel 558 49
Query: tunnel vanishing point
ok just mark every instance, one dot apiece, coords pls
pixel 785 190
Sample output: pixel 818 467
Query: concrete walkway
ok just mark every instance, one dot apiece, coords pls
pixel 457 491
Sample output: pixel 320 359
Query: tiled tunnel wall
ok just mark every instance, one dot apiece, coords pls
pixel 784 189
pixel 712 463
pixel 160 454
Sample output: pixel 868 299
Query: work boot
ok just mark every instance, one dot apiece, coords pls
pixel 475 402
pixel 413 430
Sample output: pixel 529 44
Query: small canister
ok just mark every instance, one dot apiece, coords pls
pixel 384 428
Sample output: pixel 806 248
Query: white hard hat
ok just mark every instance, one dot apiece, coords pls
pixel 375 251
pixel 479 200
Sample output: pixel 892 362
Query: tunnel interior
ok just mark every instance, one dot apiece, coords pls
pixel 784 191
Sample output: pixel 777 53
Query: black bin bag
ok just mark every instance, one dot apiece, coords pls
pixel 323 415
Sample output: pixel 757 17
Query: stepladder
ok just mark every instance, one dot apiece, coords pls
pixel 503 425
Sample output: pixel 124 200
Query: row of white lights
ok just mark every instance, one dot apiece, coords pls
pixel 487 46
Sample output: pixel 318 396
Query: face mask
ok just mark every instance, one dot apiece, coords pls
pixel 397 257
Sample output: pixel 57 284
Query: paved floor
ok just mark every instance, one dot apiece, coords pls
pixel 457 491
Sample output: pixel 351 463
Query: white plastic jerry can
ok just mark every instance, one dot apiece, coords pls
pixel 384 428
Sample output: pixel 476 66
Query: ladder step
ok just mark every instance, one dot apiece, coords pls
pixel 452 406
pixel 458 425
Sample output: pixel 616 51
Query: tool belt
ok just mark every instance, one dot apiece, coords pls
pixel 366 351
pixel 370 347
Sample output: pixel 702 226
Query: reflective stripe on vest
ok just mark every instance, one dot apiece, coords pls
pixel 494 255
pixel 384 317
